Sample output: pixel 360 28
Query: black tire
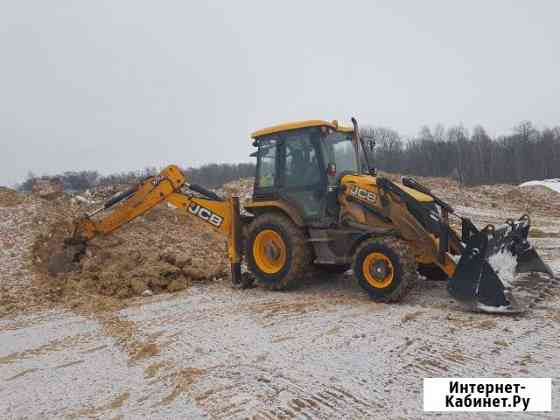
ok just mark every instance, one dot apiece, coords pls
pixel 298 255
pixel 403 268
pixel 432 272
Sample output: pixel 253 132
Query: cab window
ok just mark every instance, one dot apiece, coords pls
pixel 338 149
pixel 302 162
pixel 266 163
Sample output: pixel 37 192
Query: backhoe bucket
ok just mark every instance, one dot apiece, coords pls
pixel 484 276
pixel 67 259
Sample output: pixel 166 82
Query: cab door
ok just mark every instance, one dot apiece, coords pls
pixel 267 174
pixel 303 179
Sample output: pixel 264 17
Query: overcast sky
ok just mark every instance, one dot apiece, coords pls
pixel 118 85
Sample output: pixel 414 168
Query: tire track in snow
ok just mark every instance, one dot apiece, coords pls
pixel 261 393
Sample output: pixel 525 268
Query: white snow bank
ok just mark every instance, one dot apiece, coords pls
pixel 553 184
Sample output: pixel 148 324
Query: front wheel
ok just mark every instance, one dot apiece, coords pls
pixel 385 268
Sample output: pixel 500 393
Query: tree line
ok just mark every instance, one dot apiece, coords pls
pixel 471 158
pixel 212 175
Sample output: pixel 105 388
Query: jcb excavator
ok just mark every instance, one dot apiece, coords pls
pixel 317 201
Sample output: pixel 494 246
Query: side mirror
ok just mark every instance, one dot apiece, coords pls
pixel 331 169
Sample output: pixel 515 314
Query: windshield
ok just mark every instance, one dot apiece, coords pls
pixel 339 149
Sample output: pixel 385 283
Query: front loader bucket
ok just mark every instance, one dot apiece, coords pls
pixel 484 276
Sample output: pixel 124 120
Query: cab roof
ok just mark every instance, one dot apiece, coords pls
pixel 300 124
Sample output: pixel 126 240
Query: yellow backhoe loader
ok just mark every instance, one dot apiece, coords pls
pixel 318 202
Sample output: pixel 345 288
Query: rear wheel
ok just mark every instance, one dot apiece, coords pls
pixel 385 268
pixel 277 251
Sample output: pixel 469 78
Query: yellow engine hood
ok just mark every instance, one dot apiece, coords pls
pixel 365 181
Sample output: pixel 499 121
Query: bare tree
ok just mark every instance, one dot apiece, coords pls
pixel 472 159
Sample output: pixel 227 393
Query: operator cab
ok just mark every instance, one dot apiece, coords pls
pixel 301 164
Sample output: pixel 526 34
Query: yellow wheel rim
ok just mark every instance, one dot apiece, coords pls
pixel 378 270
pixel 269 251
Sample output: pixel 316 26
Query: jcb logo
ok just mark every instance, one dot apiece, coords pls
pixel 363 194
pixel 206 215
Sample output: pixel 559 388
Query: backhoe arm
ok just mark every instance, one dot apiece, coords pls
pixel 222 215
pixel 134 202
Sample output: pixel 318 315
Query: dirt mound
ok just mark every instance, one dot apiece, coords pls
pixel 243 188
pixel 104 192
pixel 163 251
pixel 10 198
pixel 531 200
pixel 48 188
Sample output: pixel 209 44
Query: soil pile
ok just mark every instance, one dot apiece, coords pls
pixel 23 218
pixel 48 188
pixel 243 188
pixel 104 192
pixel 531 200
pixel 162 251
pixel 10 198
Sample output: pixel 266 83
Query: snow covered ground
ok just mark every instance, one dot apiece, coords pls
pixel 323 351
